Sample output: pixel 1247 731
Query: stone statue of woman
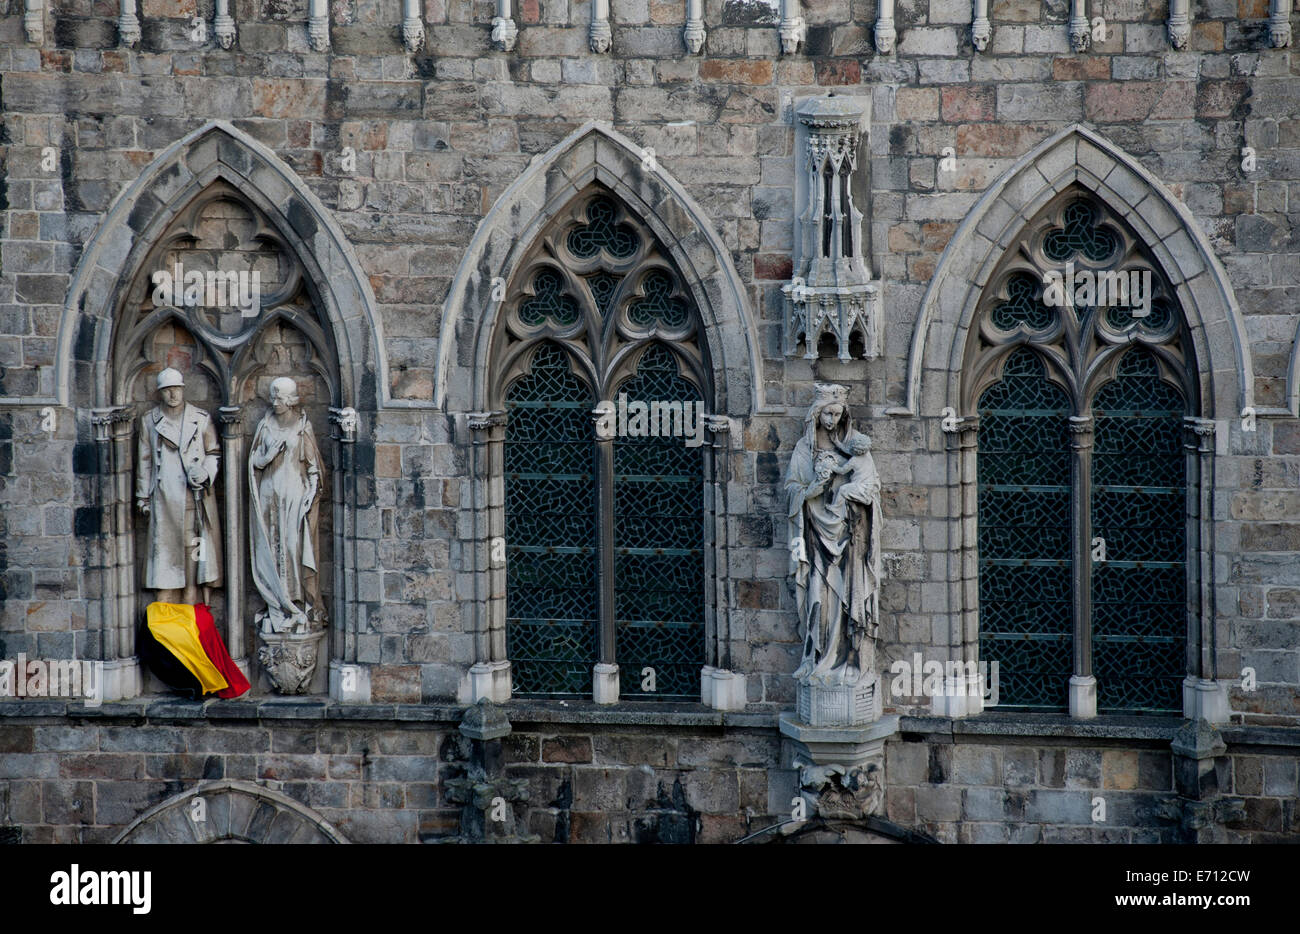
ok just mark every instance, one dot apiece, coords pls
pixel 834 521
pixel 284 475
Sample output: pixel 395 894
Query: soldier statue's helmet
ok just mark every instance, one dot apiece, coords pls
pixel 170 377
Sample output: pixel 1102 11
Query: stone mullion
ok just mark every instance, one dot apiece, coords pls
pixel 1083 686
pixel 1203 698
pixel 232 445
pixel 605 676
pixel 963 565
pixel 490 672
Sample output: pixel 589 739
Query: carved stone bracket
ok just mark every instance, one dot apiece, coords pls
pixel 128 25
pixel 504 33
pixel 290 658
pixel 841 769
pixel 981 30
pixel 693 34
pixel 1279 23
pixel 34 22
pixel 1080 31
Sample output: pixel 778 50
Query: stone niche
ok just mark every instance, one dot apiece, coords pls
pixel 229 349
pixel 832 302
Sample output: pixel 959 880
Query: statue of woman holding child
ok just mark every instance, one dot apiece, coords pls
pixel 834 516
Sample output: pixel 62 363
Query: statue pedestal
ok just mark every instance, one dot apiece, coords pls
pixel 841 769
pixel 290 658
pixel 851 704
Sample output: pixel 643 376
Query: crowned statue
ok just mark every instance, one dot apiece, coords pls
pixel 834 523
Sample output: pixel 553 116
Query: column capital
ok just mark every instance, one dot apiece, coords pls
pixel 346 418
pixel 483 421
pixel 104 420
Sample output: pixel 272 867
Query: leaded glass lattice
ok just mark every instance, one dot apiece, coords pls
pixel 602 232
pixel 549 301
pixel 598 308
pixel 1024 305
pixel 1139 508
pixel 551 605
pixel 1081 235
pixel 658 519
pixel 1024 534
pixel 659 304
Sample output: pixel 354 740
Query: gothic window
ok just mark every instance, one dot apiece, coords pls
pixel 1082 381
pixel 603 528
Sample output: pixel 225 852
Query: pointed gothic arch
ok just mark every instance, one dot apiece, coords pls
pixel 951 366
pixel 499 272
pixel 319 324
pixel 218 152
pixel 597 154
pixel 1080 156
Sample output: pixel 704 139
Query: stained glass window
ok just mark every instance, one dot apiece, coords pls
pixel 1024 535
pixel 555 471
pixel 1130 599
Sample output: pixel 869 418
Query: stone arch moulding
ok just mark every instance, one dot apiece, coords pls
pixel 217 154
pixel 597 153
pixel 218 151
pixel 234 812
pixel 1079 155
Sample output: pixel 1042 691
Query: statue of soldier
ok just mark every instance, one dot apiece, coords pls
pixel 176 469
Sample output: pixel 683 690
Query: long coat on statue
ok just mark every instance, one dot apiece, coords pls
pixel 165 452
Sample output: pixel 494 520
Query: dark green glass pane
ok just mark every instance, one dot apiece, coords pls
pixel 602 233
pixel 1139 508
pixel 658 525
pixel 550 529
pixel 1025 560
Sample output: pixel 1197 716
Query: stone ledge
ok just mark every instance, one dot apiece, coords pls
pixel 520 712
pixel 1036 725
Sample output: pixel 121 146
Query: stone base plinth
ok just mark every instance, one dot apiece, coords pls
pixel 289 659
pixel 851 704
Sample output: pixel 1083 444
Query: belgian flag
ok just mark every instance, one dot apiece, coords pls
pixel 181 645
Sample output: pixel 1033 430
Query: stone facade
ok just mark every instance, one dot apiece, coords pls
pixel 405 185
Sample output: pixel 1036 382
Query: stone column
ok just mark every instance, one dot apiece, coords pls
pixel 599 36
pixel 605 686
pixel 720 687
pixel 412 26
pixel 792 29
pixel 34 22
pixel 885 32
pixel 113 436
pixel 349 680
pixel 693 33
pixel 1279 23
pixel 490 673
pixel 1083 686
pixel 1204 698
pixel 318 25
pixel 963 694
pixel 1080 31
pixel 231 419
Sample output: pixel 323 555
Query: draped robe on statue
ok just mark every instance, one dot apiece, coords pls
pixel 836 567
pixel 283 487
